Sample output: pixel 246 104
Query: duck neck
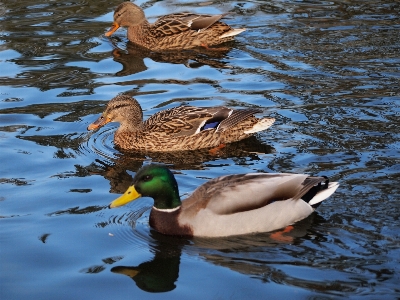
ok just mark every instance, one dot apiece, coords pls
pixel 140 34
pixel 167 198
pixel 167 222
pixel 130 127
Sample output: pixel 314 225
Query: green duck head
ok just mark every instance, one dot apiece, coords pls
pixel 155 181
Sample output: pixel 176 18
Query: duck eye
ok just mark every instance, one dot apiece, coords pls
pixel 146 178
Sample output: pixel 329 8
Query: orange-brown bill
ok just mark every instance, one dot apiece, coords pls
pixel 113 28
pixel 101 121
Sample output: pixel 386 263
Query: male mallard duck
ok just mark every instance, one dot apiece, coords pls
pixel 178 128
pixel 172 32
pixel 227 205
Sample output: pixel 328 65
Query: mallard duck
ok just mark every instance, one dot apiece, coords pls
pixel 172 32
pixel 227 205
pixel 178 128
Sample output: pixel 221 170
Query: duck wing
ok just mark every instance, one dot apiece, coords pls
pixel 238 193
pixel 236 117
pixel 184 120
pixel 177 23
pixel 189 120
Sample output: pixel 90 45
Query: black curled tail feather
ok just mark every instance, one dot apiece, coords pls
pixel 314 190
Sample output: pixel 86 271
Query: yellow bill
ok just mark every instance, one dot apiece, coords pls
pixel 128 271
pixel 130 195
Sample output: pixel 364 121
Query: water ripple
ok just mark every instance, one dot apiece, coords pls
pixel 131 227
pixel 101 141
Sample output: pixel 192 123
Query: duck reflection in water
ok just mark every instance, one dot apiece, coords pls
pixel 241 152
pixel 132 58
pixel 161 273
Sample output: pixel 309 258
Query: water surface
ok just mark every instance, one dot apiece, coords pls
pixel 328 71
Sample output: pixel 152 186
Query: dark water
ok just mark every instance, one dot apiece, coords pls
pixel 328 71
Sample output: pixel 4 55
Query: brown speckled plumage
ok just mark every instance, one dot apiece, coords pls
pixel 178 128
pixel 172 32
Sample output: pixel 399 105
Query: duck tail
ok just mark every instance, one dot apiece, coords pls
pixel 261 125
pixel 320 192
pixel 232 32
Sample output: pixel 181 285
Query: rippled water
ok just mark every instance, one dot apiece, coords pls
pixel 328 71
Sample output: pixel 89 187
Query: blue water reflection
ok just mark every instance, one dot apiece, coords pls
pixel 327 71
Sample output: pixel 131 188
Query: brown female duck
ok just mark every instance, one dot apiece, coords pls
pixel 178 128
pixel 172 32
